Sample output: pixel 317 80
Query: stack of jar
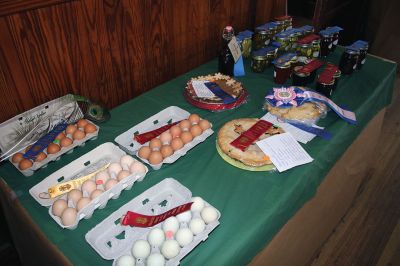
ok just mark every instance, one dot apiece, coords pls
pixel 329 39
pixel 309 46
pixel 303 75
pixel 305 30
pixel 263 35
pixel 244 40
pixel 353 57
pixel 327 81
pixel 262 58
pixel 283 67
pixel 283 22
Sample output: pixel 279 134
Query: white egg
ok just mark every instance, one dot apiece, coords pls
pixel 141 249
pixel 170 249
pixel 137 168
pixel 197 226
pixel 209 214
pixel 156 237
pixel 88 186
pixel 126 260
pixel 198 204
pixel 102 177
pixel 184 236
pixel 126 161
pixel 114 169
pixel 184 217
pixel 155 259
pixel 171 224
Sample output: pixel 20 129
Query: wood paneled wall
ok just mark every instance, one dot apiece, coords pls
pixel 111 50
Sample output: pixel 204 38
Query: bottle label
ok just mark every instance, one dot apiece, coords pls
pixel 335 42
pixel 362 62
pixel 235 49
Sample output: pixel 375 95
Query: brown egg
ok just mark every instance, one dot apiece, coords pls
pixel 175 131
pixel 144 152
pixel 82 123
pixel 196 131
pixel 16 158
pixel 186 137
pixel 176 144
pixel 70 129
pixel 78 134
pixel 53 148
pixel 166 151
pixel 40 157
pixel 166 137
pixel 90 128
pixel 27 148
pixel 155 144
pixel 185 125
pixel 155 157
pixel 65 142
pixel 60 136
pixel 25 164
pixel 204 124
pixel 194 118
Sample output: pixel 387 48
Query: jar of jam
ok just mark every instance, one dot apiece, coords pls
pixel 316 48
pixel 336 77
pixel 325 86
pixel 300 78
pixel 282 73
pixel 305 49
pixel 258 61
pixel 362 56
pixel 326 43
pixel 348 61
pixel 260 37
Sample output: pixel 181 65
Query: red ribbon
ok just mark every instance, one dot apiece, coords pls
pixel 147 136
pixel 251 135
pixel 141 220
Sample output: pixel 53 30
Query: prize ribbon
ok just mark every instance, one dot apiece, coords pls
pixel 147 136
pixel 251 135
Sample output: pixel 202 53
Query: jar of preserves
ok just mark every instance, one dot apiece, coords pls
pixel 362 56
pixel 326 42
pixel 300 78
pixel 348 61
pixel 258 61
pixel 280 25
pixel 260 38
pixel 325 85
pixel 293 37
pixel 305 49
pixel 316 48
pixel 282 73
pixel 283 40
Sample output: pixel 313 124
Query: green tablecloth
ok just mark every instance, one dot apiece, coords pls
pixel 254 205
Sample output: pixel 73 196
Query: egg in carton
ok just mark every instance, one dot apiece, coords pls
pixel 171 144
pixel 73 136
pixel 110 171
pixel 165 243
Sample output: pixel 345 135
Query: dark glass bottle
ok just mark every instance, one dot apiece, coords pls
pixel 225 58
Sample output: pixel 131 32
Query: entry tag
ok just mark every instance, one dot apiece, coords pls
pixel 235 49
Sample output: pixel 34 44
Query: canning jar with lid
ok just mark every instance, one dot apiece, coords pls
pixel 326 42
pixel 316 48
pixel 348 61
pixel 305 49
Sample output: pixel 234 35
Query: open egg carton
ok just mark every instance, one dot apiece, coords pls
pixel 144 245
pixel 167 116
pixel 17 133
pixel 104 155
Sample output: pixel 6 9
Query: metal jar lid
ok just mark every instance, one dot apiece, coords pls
pixel 300 74
pixel 352 52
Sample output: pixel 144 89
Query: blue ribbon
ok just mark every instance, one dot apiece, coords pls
pixel 238 68
pixel 324 134
pixel 225 97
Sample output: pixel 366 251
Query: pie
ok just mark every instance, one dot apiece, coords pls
pixel 253 155
pixel 309 111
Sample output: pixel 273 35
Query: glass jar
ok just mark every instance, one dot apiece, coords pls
pixel 271 55
pixel 316 48
pixel 348 61
pixel 305 49
pixel 300 78
pixel 258 63
pixel 284 42
pixel 282 73
pixel 326 43
pixel 326 87
pixel 280 25
pixel 246 47
pixel 336 77
pixel 335 40
pixel 260 37
pixel 361 58
pixel 293 41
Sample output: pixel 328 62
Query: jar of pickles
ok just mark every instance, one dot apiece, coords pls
pixel 260 37
pixel 245 45
pixel 305 49
pixel 293 37
pixel 284 42
pixel 258 61
pixel 280 25
pixel 316 48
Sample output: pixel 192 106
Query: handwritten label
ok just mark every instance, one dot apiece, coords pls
pixel 235 49
pixel 201 90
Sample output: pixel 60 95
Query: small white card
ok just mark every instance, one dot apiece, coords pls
pixel 284 151
pixel 235 49
pixel 201 90
pixel 300 135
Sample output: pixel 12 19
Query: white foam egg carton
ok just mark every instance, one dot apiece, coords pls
pixel 56 156
pixel 111 240
pixel 165 117
pixel 84 165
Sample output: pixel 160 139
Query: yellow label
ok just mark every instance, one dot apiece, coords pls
pixel 65 187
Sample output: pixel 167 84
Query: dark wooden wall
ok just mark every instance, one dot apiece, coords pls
pixel 110 50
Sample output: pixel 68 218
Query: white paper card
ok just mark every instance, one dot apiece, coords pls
pixel 201 90
pixel 300 135
pixel 235 49
pixel 284 151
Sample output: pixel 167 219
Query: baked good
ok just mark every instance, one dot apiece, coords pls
pixel 253 155
pixel 229 85
pixel 305 112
